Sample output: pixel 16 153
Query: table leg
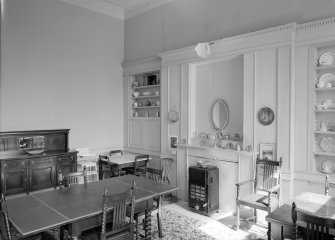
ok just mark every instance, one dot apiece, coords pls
pixel 147 224
pixel 269 231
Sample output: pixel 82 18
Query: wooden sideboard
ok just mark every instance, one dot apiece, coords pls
pixel 22 172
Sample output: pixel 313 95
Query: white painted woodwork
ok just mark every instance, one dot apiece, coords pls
pixel 277 73
pixel 234 167
pixel 151 134
pixel 135 133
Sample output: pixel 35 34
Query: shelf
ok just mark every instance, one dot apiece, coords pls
pixel 325 132
pixel 325 111
pixel 145 107
pixel 145 118
pixel 329 154
pixel 141 97
pixel 145 87
pixel 325 89
pixel 325 67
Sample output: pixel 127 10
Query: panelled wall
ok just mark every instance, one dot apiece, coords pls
pixel 277 73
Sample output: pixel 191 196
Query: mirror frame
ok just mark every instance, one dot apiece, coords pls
pixel 227 115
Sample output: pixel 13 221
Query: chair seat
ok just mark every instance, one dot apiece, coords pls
pixel 94 234
pixel 259 201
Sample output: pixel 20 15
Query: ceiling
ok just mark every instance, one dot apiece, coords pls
pixel 122 9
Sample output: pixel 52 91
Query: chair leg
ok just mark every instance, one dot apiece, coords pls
pixel 255 215
pixel 136 227
pixel 159 223
pixel 237 217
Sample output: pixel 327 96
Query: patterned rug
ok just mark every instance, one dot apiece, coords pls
pixel 178 226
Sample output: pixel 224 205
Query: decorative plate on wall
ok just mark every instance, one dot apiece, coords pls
pixel 327 166
pixel 327 144
pixel 327 58
pixel 325 79
pixel 173 116
pixel 265 116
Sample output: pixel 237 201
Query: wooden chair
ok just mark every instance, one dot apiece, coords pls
pixel 157 176
pixel 166 166
pixel 317 228
pixel 115 208
pixel 105 168
pixel 328 184
pixel 264 189
pixel 69 179
pixel 139 168
pixel 116 152
pixel 9 232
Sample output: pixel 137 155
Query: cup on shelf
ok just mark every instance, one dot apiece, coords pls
pixel 319 107
pixel 135 114
pixel 329 85
pixel 135 104
pixel 136 94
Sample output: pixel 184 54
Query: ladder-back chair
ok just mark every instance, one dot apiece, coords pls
pixel 69 179
pixel 266 192
pixel 157 176
pixel 115 223
pixel 317 228
pixel 139 167
pixel 105 168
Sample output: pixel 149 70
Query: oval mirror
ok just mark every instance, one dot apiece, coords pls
pixel 220 114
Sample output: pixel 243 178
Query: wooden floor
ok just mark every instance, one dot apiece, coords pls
pixel 221 225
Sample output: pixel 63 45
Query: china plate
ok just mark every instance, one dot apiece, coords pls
pixel 327 58
pixel 327 166
pixel 327 144
pixel 325 79
pixel 329 103
pixel 35 151
pixel 148 93
pixel 327 124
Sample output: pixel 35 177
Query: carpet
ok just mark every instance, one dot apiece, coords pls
pixel 177 226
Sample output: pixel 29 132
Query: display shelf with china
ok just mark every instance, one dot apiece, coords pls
pixel 324 110
pixel 144 94
pixel 144 108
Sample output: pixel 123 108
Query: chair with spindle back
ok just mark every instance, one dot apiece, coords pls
pixel 9 232
pixel 328 184
pixel 115 169
pixel 266 185
pixel 166 164
pixel 317 228
pixel 115 223
pixel 155 175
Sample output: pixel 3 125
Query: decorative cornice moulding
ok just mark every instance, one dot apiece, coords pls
pixel 143 7
pixel 110 9
pixel 99 6
pixel 317 23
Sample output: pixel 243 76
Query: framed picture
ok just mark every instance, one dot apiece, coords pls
pixel 173 141
pixel 267 150
pixel 265 116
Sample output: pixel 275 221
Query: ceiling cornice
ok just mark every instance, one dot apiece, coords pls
pixel 99 6
pixel 143 7
pixel 109 9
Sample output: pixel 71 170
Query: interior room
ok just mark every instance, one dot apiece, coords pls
pixel 167 119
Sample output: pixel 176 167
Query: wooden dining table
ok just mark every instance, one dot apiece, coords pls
pixel 280 220
pixel 127 159
pixel 79 206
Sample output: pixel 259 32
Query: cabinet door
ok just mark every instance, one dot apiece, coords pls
pixel 67 163
pixel 151 134
pixel 14 176
pixel 42 173
pixel 135 133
